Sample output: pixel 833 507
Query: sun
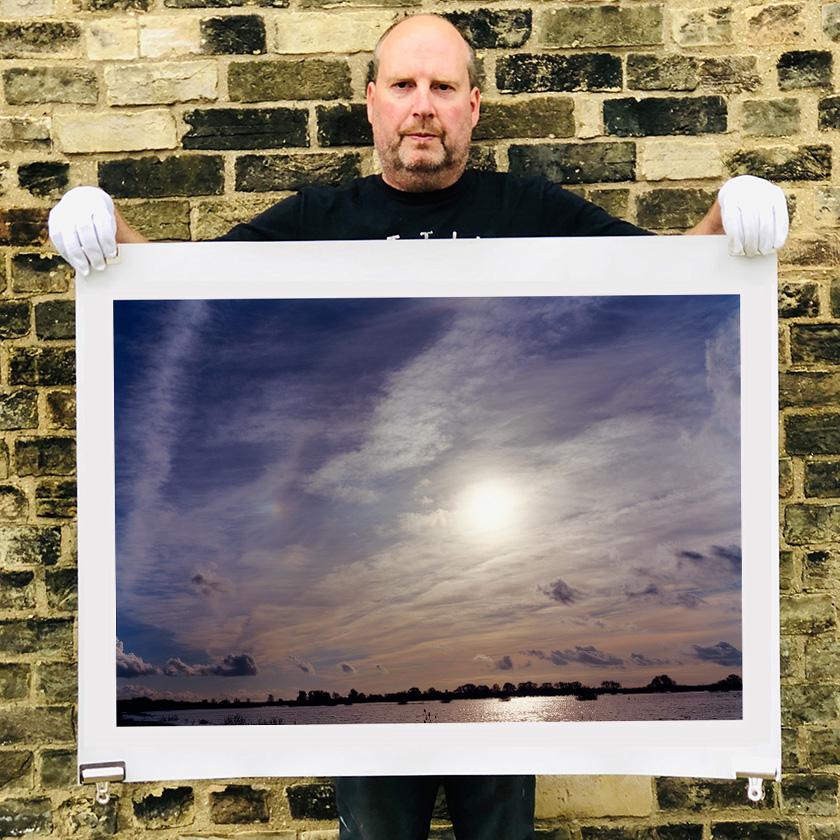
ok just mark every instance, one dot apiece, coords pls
pixel 488 508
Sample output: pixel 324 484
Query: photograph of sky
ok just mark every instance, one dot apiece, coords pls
pixel 380 494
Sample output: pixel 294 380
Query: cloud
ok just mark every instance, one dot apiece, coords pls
pixel 560 591
pixel 233 665
pixel 641 659
pixel 503 663
pixel 382 669
pixel 583 655
pixel 555 656
pixel 208 584
pixel 131 665
pixel 655 593
pixel 303 665
pixel 347 668
pixel 722 559
pixel 720 654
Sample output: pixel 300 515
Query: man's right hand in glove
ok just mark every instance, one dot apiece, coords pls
pixel 85 228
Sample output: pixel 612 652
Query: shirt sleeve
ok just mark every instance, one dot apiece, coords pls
pixel 281 222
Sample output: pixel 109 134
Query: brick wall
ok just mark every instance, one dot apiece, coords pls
pixel 199 113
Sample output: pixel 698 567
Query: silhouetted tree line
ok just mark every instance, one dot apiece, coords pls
pixel 468 691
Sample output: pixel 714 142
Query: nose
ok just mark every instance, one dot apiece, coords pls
pixel 422 102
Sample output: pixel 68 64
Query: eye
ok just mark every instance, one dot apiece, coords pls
pixel 402 85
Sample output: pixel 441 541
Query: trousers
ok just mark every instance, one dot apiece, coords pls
pixel 400 807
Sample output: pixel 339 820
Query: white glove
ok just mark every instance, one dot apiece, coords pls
pixel 754 215
pixel 83 228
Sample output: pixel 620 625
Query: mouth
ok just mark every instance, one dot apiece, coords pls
pixel 420 136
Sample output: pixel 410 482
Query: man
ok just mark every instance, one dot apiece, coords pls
pixel 423 104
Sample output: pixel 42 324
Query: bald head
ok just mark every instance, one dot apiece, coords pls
pixel 434 24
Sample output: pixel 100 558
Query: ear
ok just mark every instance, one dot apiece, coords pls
pixel 369 93
pixel 475 104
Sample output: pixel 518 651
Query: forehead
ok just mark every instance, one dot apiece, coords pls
pixel 424 46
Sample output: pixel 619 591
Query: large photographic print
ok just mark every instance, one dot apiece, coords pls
pixel 428 510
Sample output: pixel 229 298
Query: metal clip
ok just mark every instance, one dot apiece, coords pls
pixel 755 789
pixel 102 795
pixel 101 774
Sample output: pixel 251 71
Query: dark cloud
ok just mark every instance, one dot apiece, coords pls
pixel 504 664
pixel 590 655
pixel 641 659
pixel 730 553
pixel 233 665
pixel 650 591
pixel 723 558
pixel 694 556
pixel 347 668
pixel 382 669
pixel 206 584
pixel 131 665
pixel 689 599
pixel 560 591
pixel 555 656
pixel 653 592
pixel 303 665
pixel 721 654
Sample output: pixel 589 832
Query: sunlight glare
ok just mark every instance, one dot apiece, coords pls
pixel 489 508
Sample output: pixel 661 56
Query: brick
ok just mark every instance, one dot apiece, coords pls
pixel 570 163
pixel 824 746
pixel 810 251
pixel 346 125
pixel 154 177
pixel 322 32
pixel 171 807
pixel 224 4
pixel 658 72
pixel 55 319
pixel 812 434
pixel 808 703
pixel 14 685
pixel 258 81
pixel 61 589
pixel 731 74
pixel 266 173
pixel 799 300
pixel 58 768
pixel 115 132
pixel 246 128
pixel 819 569
pixel 38 85
pixel 788 576
pixel 577 797
pixel 534 117
pixel 822 655
pixel 827 212
pixel 56 681
pixel 61 410
pixel 28 545
pixel 771 118
pixel 37 366
pixel 112 40
pixel 120 5
pixel 811 524
pixel 589 119
pixel 822 479
pixel 239 804
pixel 665 115
pixel 18 409
pixel 815 344
pixel 312 801
pixel 45 636
pixel 55 499
pixel 36 274
pixel 15 316
pixel 44 178
pixel 13 503
pixel 674 209
pixel 24 133
pixel 233 35
pixel 829 113
pixel 831 20
pixel 793 753
pixel 36 39
pixel 26 8
pixel 783 163
pixel 600 26
pixel 161 84
pixel 159 220
pixel 804 69
pixel 15 769
pixel 23 226
pixel 19 817
pixel 702 27
pixel 676 160
pixel 489 29
pixel 214 218
pixel 537 73
pixel 806 614
pixel 789 657
pixel 81 813
pixel 775 24
pixel 810 795
pixel 755 831
pixel 17 590
pixel 165 36
pixel 703 795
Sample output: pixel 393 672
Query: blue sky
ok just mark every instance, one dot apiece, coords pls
pixel 380 494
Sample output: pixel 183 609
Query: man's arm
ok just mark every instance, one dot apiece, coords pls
pixel 85 228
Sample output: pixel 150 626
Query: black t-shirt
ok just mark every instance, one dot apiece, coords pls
pixel 481 204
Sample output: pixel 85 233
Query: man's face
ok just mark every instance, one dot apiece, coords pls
pixel 421 106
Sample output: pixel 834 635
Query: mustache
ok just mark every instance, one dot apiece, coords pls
pixel 421 129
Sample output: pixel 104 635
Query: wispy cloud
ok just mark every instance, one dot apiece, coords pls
pixel 722 653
